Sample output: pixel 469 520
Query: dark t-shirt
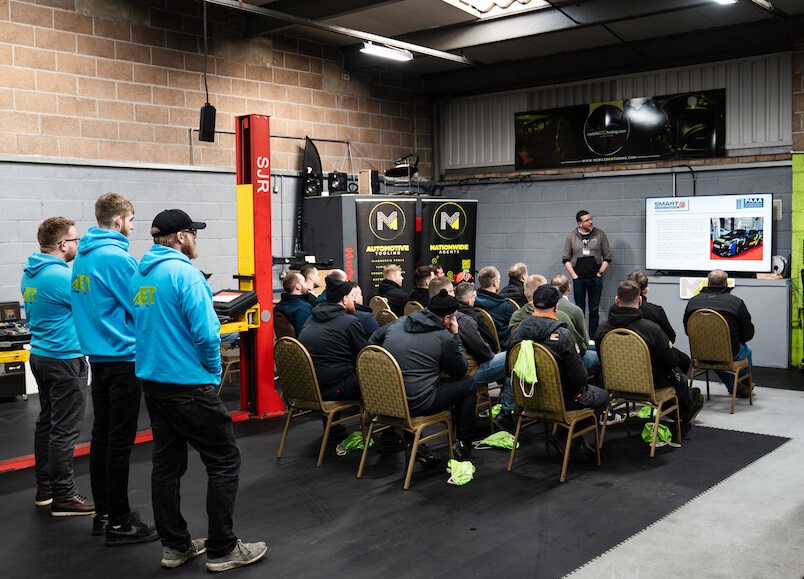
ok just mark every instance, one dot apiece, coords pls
pixel 586 266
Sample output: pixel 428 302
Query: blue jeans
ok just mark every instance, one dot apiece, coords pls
pixel 116 394
pixel 743 353
pixel 458 394
pixel 195 415
pixel 62 401
pixel 593 288
pixel 494 371
pixel 591 361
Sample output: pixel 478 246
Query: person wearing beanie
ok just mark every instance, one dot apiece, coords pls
pixel 546 329
pixel 426 345
pixel 334 336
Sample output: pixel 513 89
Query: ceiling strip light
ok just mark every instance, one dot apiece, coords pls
pixel 388 52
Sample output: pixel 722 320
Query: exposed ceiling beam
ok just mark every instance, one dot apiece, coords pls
pixel 312 9
pixel 359 34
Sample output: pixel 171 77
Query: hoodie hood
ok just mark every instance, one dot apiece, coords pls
pixel 328 311
pixel 539 328
pixel 623 317
pixel 96 237
pixel 422 321
pixel 157 255
pixel 38 262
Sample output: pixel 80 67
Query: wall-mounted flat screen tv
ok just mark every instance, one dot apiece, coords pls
pixel 701 233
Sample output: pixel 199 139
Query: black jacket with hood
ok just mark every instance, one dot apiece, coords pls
pixel 730 307
pixel 396 296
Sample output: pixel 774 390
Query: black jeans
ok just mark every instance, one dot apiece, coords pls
pixel 62 401
pixel 116 394
pixel 195 415
pixel 592 287
pixel 458 394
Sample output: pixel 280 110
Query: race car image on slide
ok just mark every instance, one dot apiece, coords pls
pixel 737 241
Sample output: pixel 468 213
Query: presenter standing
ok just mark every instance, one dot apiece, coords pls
pixel 587 256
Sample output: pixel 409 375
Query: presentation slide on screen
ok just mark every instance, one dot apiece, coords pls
pixel 729 232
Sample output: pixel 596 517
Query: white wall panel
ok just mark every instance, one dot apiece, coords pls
pixel 479 131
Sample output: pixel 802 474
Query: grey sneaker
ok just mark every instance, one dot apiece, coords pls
pixel 173 557
pixel 242 554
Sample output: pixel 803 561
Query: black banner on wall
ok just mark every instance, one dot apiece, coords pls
pixel 681 126
pixel 386 233
pixel 448 236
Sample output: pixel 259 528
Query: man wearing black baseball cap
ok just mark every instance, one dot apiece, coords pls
pixel 544 327
pixel 426 344
pixel 178 359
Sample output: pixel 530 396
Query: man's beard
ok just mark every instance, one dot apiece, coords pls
pixel 350 308
pixel 188 249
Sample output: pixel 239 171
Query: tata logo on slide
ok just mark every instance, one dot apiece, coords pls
pixel 449 221
pixel 387 221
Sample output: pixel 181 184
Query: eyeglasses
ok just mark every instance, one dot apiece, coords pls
pixel 193 231
pixel 76 239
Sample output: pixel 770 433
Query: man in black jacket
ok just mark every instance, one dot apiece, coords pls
pixel 664 360
pixel 391 289
pixel 717 296
pixel 421 277
pixel 466 294
pixel 544 328
pixel 517 274
pixel 499 308
pixel 334 336
pixel 426 344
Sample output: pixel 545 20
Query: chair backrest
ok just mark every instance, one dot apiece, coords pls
pixel 710 338
pixel 547 399
pixel 490 323
pixel 384 317
pixel 381 383
pixel 412 306
pixel 626 364
pixel 513 303
pixel 377 304
pixel 283 326
pixel 297 373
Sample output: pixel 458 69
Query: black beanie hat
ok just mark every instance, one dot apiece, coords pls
pixel 337 289
pixel 443 304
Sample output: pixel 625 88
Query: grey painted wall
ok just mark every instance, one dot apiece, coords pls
pixel 32 191
pixel 528 221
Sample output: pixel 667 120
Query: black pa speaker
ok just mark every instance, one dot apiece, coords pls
pixel 206 127
pixel 312 183
pixel 336 182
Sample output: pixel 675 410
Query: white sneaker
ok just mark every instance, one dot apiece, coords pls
pixel 242 554
pixel 173 557
pixel 615 418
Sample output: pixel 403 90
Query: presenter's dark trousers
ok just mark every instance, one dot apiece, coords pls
pixel 591 288
pixel 182 415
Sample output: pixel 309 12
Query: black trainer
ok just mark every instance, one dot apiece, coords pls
pixel 99 523
pixel 505 421
pixel 390 441
pixel 134 531
pixel 462 450
pixel 426 458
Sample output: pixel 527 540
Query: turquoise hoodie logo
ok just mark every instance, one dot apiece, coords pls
pixel 145 297
pixel 80 284
pixel 29 296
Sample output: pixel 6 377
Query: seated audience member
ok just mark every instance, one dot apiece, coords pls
pixel 515 289
pixel 313 279
pixel 390 287
pixel 590 359
pixel 664 362
pixel 334 336
pixel 438 270
pixel 562 282
pixel 488 365
pixel 426 345
pixel 293 304
pixel 717 296
pixel 655 313
pixel 543 327
pixel 499 308
pixel 363 313
pixel 421 278
pixel 338 274
pixel 466 294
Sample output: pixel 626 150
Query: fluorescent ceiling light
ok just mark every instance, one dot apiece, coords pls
pixel 388 52
pixel 726 1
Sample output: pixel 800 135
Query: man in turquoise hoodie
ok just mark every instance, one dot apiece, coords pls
pixel 58 366
pixel 178 360
pixel 104 320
